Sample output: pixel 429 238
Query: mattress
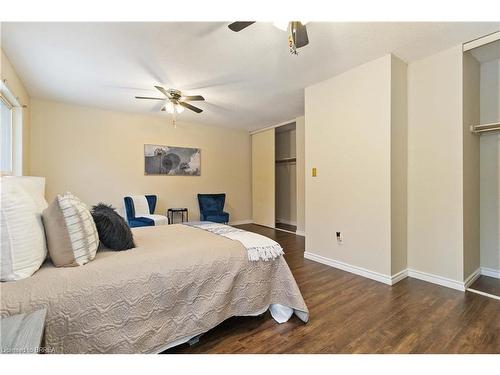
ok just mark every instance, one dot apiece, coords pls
pixel 177 283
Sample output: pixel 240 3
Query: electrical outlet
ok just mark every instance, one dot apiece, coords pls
pixel 340 238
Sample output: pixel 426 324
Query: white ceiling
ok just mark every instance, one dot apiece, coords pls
pixel 249 79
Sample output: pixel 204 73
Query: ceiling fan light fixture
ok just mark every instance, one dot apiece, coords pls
pixel 179 108
pixel 169 107
pixel 172 107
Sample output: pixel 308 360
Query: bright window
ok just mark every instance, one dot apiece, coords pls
pixel 6 136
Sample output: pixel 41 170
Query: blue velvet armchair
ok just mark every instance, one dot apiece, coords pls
pixel 142 221
pixel 212 208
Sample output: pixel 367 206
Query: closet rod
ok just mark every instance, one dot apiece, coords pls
pixel 477 129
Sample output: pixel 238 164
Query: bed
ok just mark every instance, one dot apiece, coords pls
pixel 179 282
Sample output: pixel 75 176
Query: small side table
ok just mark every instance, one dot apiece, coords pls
pixel 22 333
pixel 172 211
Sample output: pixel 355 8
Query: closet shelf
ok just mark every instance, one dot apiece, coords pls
pixel 286 160
pixel 494 126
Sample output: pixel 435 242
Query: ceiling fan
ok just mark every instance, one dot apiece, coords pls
pixel 175 101
pixel 297 32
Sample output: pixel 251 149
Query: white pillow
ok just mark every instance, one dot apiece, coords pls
pixel 22 236
pixel 34 186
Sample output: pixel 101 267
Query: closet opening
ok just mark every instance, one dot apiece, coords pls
pixel 286 177
pixel 487 132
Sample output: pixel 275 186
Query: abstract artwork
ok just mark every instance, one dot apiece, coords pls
pixel 172 161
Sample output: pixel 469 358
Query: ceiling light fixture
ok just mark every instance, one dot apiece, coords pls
pixel 175 102
pixel 172 107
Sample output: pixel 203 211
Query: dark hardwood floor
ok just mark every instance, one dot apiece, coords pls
pixel 288 227
pixel 352 314
pixel 487 284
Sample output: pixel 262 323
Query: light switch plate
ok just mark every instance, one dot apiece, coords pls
pixel 340 238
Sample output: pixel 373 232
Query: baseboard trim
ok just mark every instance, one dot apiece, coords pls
pixel 241 222
pixel 483 293
pixel 284 230
pixel 284 221
pixel 391 280
pixel 435 279
pixel 350 268
pixel 396 278
pixel 491 272
pixel 472 277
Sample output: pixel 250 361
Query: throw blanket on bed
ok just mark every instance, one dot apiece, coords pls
pixel 258 246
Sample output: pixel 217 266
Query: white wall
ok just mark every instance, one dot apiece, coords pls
pixel 490 166
pixel 435 173
pixel 348 140
pixel 98 155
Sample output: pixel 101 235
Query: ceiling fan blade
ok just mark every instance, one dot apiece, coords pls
pixel 191 107
pixel 192 98
pixel 299 34
pixel 163 91
pixel 240 25
pixel 148 97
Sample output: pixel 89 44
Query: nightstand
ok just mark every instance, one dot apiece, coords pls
pixel 172 211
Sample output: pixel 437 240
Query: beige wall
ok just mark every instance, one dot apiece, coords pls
pixel 471 232
pixel 490 167
pixel 399 160
pixel 263 178
pixel 17 88
pixel 435 176
pixel 98 155
pixel 348 140
pixel 300 129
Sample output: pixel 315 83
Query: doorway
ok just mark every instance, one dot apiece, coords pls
pixel 487 130
pixel 286 177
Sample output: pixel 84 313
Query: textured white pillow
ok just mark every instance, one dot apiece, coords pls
pixel 81 228
pixel 22 236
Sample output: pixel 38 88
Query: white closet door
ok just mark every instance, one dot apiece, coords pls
pixel 263 194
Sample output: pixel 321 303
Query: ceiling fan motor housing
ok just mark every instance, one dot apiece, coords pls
pixel 175 94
